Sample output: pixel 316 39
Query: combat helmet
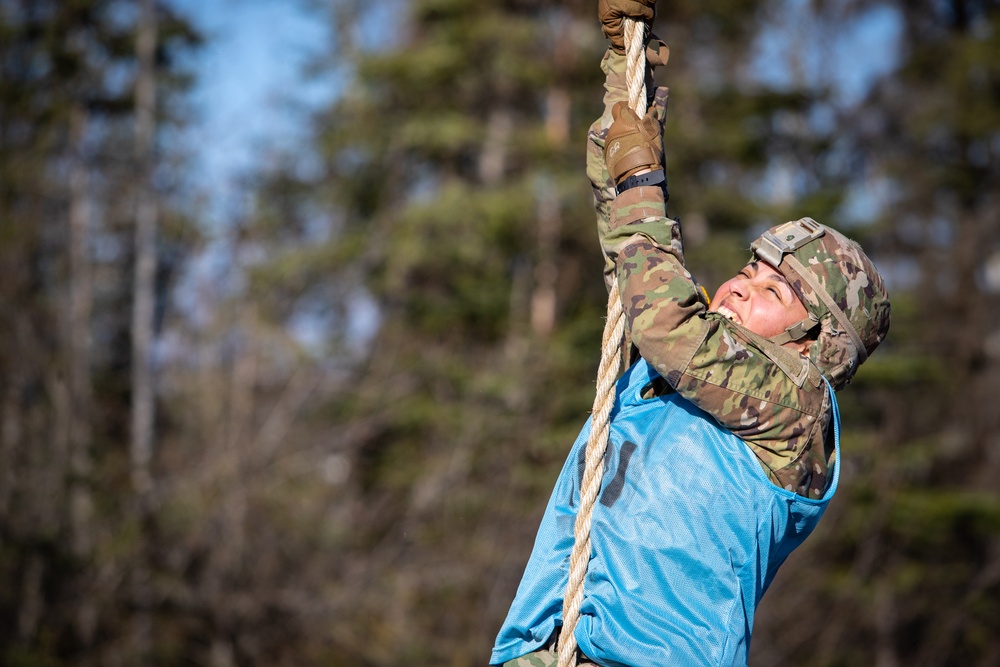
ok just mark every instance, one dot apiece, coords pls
pixel 841 289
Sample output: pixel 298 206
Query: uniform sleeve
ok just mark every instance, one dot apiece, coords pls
pixel 768 396
pixel 616 90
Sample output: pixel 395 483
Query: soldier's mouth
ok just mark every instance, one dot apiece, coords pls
pixel 728 314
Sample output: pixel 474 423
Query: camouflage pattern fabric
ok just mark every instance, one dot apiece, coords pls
pixel 769 396
pixel 544 658
pixel 535 659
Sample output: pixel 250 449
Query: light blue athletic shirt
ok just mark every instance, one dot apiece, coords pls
pixel 687 534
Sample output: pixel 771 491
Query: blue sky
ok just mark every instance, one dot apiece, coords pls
pixel 848 54
pixel 251 93
pixel 251 100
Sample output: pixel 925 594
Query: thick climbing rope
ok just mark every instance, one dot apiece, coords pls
pixel 607 376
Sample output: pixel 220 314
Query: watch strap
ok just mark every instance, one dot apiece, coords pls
pixel 655 177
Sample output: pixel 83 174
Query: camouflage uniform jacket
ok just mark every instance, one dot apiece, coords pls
pixel 769 396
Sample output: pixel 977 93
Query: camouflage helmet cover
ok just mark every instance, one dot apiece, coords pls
pixel 839 285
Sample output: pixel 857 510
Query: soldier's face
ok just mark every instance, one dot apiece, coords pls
pixel 760 299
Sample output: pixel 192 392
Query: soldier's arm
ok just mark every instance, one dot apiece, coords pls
pixel 616 90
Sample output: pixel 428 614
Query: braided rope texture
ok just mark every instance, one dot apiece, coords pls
pixel 607 375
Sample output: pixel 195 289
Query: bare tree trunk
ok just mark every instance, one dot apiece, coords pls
pixel 10 436
pixel 145 257
pixel 885 625
pixel 543 297
pixel 143 395
pixel 80 388
pixel 558 105
pixel 53 476
pixel 80 308
pixel 493 158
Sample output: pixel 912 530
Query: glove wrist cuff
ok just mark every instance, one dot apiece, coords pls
pixel 636 159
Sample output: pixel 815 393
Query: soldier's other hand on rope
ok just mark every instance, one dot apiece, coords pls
pixel 613 13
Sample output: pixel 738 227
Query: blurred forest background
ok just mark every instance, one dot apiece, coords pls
pixel 323 431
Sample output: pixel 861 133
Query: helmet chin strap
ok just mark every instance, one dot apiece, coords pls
pixel 797 331
pixel 831 305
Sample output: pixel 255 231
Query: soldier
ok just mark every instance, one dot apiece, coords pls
pixel 724 440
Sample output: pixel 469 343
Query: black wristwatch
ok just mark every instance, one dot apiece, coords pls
pixel 656 177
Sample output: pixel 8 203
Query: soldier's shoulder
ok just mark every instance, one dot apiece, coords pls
pixel 738 362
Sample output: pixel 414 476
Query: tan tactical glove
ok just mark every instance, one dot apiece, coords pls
pixel 657 53
pixel 612 13
pixel 633 144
